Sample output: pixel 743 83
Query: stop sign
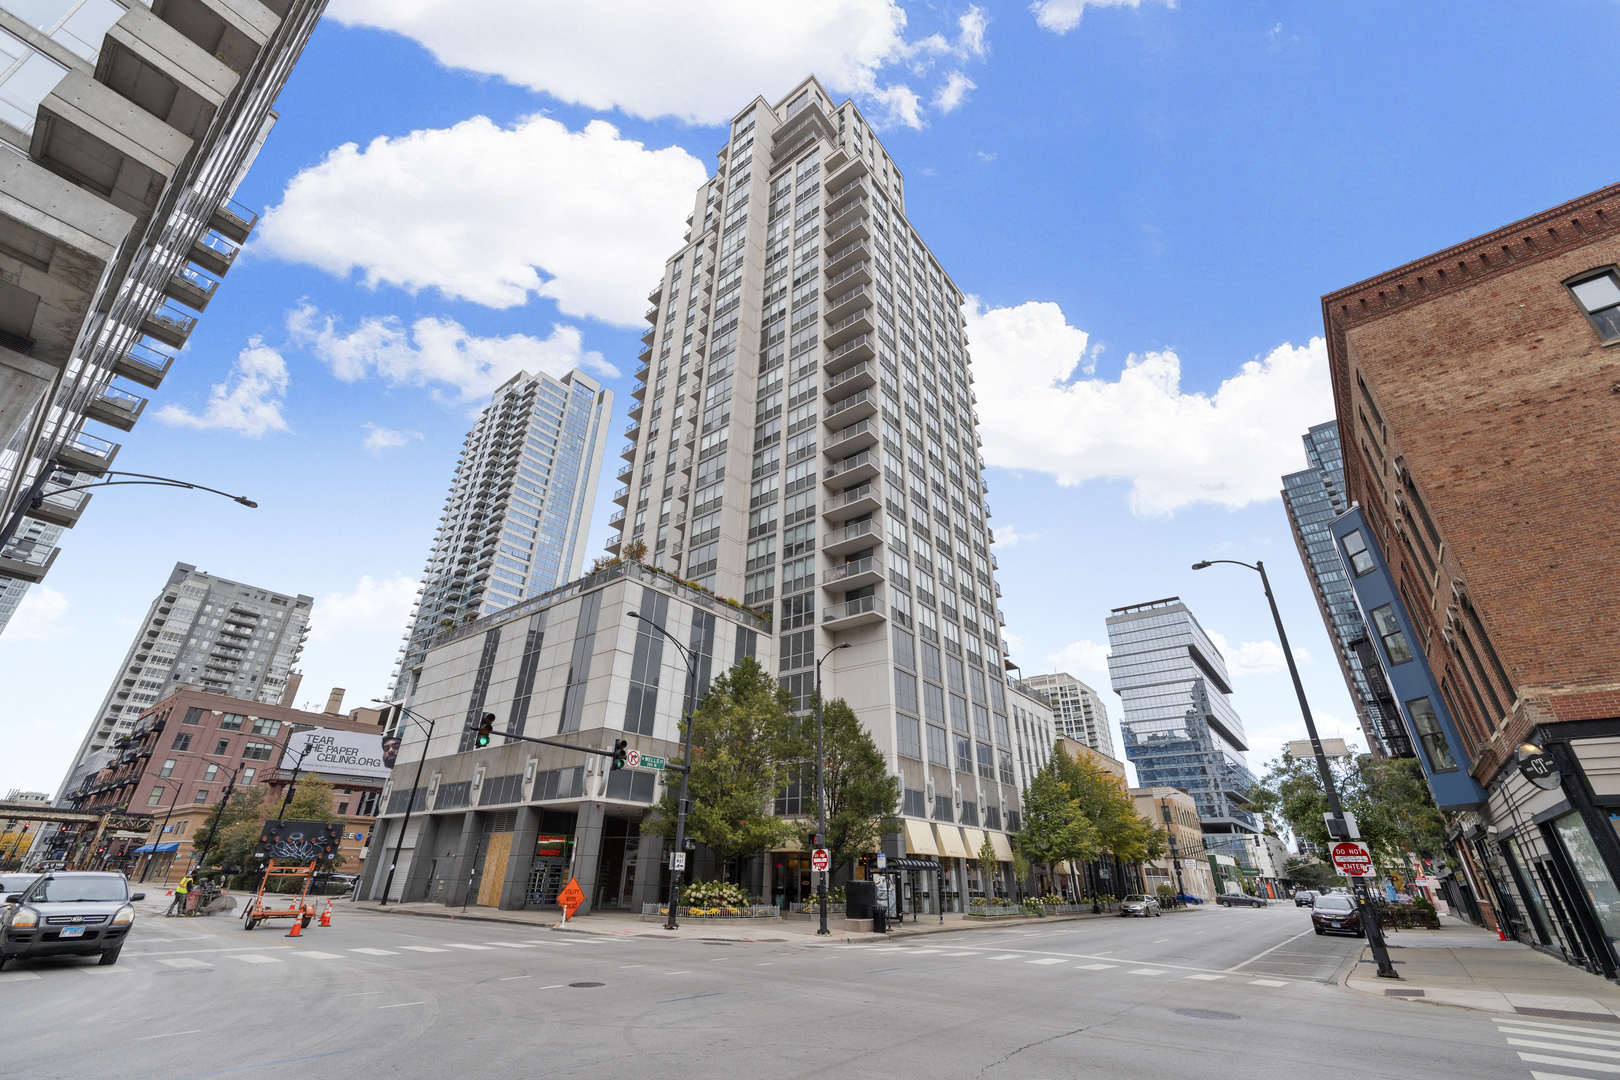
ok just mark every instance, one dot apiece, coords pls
pixel 1352 858
pixel 820 860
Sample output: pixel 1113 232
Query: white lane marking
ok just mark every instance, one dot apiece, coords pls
pixel 1500 1026
pixel 1145 971
pixel 678 972
pixel 511 978
pixel 314 955
pixel 553 986
pixel 1161 941
pixel 188 962
pixel 1048 960
pixel 455 945
pixel 364 993
pixel 1555 1076
pixel 1267 982
pixel 1271 950
pixel 1565 1047
pixel 17 976
pixel 627 967
pixel 1516 1022
pixel 1096 967
pixel 423 948
pixel 1203 932
pixel 762 965
pixel 1543 1059
pixel 717 959
pixel 509 944
pixel 959 954
pixel 923 952
pixel 375 952
pixel 186 952
pixel 169 1034
pixel 402 1005
pixel 1204 978
pixel 254 958
pixel 1008 956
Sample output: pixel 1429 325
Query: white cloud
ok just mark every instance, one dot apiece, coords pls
pixel 379 439
pixel 1255 657
pixel 39 616
pixel 1061 16
pixel 1084 655
pixel 954 92
pixel 495 215
pixel 248 402
pixel 1176 448
pixel 439 353
pixel 1007 536
pixel 375 605
pixel 698 63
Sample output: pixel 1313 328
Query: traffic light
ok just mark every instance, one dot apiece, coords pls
pixel 485 726
pixel 620 749
pixel 815 841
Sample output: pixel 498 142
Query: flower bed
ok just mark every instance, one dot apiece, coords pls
pixel 752 911
pixel 996 911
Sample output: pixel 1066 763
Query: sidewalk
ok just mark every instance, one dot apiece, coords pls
pixel 626 924
pixel 1466 966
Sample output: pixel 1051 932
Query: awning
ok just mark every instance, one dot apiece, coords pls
pixel 975 841
pixel 1004 850
pixel 950 842
pixel 920 838
pixel 148 849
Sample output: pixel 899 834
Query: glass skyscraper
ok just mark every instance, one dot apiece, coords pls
pixel 1313 497
pixel 1179 728
pixel 521 499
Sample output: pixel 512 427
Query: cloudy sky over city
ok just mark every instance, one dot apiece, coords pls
pixel 1143 200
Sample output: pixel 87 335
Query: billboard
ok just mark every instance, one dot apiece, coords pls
pixel 351 753
pixel 297 840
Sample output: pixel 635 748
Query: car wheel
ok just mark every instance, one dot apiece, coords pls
pixel 306 921
pixel 1320 932
pixel 3 959
pixel 110 957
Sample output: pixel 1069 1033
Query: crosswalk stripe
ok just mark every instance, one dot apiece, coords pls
pixel 186 962
pixel 1555 1076
pixel 1517 1022
pixel 1565 1047
pixel 422 948
pixel 1008 956
pixel 1145 971
pixel 375 952
pixel 1204 978
pixel 959 954
pixel 1268 982
pixel 1544 1059
pixel 1047 960
pixel 255 958
pixel 1097 967
pixel 510 944
pixel 455 945
pixel 1551 1035
pixel 17 976
pixel 316 955
pixel 102 970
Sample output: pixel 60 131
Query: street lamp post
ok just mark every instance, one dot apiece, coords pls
pixel 37 494
pixel 409 803
pixel 219 812
pixel 686 769
pixel 821 790
pixel 1369 918
pixel 151 856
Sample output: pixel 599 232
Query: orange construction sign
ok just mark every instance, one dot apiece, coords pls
pixel 570 898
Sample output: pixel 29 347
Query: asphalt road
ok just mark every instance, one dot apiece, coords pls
pixel 1205 993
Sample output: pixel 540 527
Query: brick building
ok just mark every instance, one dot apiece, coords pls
pixel 1477 393
pixel 175 764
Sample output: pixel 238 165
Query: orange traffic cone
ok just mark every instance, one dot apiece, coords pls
pixel 296 930
pixel 326 916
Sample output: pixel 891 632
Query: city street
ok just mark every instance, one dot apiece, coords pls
pixel 1195 993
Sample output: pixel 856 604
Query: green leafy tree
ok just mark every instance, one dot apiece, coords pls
pixel 744 740
pixel 987 867
pixel 1107 804
pixel 1389 797
pixel 1056 828
pixel 862 796
pixel 1312 874
pixel 233 831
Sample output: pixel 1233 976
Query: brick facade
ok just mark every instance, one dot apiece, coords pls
pixel 1480 412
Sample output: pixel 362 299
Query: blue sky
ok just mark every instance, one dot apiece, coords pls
pixel 1146 202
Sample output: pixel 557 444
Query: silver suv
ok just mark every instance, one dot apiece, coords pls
pixel 68 913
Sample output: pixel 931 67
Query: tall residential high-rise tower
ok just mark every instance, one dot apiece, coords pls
pixel 519 506
pixel 805 440
pixel 1179 728
pixel 125 128
pixel 1077 709
pixel 200 631
pixel 1313 497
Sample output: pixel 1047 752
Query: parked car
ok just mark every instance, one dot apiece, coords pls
pixel 1139 905
pixel 1240 900
pixel 1337 913
pixel 68 913
pixel 15 883
pixel 1304 898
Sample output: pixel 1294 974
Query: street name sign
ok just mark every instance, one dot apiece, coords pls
pixel 648 761
pixel 1352 858
pixel 820 860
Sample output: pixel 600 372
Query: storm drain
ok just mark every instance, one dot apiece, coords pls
pixel 1403 993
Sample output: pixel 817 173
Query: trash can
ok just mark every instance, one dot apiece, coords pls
pixel 880 919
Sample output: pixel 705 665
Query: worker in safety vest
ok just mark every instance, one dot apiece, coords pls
pixel 179 901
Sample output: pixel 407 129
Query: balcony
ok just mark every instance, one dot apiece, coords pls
pixel 116 408
pixel 862 534
pixel 169 325
pixel 854 502
pixel 853 575
pixel 651 314
pixel 858 297
pixel 846 210
pixel 849 327
pixel 862 376
pixel 143 364
pixel 63 509
pixel 629 451
pixel 622 495
pixel 852 470
pixel 852 438
pixel 846 186
pixel 857 406
pixel 213 253
pixel 190 288
pixel 847 256
pixel 233 221
pixel 624 473
pixel 850 353
pixel 853 613
pixel 88 454
pixel 855 229
pixel 859 274
pixel 616 518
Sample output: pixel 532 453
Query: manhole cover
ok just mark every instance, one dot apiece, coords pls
pixel 1206 1014
pixel 587 984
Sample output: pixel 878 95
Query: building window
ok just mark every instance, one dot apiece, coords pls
pixel 247 776
pixel 256 751
pixel 265 726
pixel 231 722
pixel 343 808
pixel 156 796
pixel 201 796
pixel 913 804
pixel 938 747
pixel 910 737
pixel 182 742
pixel 1599 296
pixel 1430 734
pixel 222 747
pixel 193 717
pixel 168 767
pixel 1361 560
pixel 942 808
pixel 213 771
pixel 1383 620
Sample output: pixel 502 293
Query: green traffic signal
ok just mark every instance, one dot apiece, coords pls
pixel 485 727
pixel 620 749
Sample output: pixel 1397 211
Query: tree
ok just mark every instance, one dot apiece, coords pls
pixel 1056 828
pixel 987 867
pixel 743 744
pixel 862 796
pixel 1312 874
pixel 1388 796
pixel 1107 804
pixel 232 832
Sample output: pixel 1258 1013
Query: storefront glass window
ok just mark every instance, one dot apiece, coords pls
pixel 1533 897
pixel 1593 874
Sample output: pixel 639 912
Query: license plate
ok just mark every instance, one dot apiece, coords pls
pixel 72 931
